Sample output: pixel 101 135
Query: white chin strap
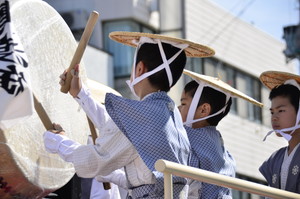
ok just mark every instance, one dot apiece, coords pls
pixel 292 129
pixel 165 65
pixel 192 110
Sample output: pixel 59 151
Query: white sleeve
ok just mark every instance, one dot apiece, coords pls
pixel 62 145
pixel 117 177
pixel 93 109
pixel 112 150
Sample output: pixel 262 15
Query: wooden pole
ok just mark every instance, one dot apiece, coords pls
pixel 93 130
pixel 80 49
pixel 42 114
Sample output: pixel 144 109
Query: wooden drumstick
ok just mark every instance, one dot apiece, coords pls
pixel 80 49
pixel 77 58
pixel 106 185
pixel 93 130
pixel 42 114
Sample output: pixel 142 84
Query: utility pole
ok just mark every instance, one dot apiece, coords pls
pixel 291 34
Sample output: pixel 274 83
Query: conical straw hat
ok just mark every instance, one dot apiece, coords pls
pixel 219 84
pixel 132 38
pixel 272 79
pixel 98 90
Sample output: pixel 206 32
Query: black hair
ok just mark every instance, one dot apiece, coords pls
pixel 215 98
pixel 150 55
pixel 289 91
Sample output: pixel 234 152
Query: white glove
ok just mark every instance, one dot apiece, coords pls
pixel 117 177
pixel 60 144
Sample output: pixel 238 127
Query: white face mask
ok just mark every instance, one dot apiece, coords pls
pixel 192 110
pixel 288 137
pixel 165 65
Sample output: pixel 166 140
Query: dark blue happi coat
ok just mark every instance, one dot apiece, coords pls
pixel 154 126
pixel 271 170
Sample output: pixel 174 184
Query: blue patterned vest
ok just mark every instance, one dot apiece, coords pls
pixel 154 126
pixel 208 153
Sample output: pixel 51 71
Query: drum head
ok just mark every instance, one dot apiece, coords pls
pixel 26 169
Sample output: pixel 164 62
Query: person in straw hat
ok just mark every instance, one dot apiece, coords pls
pixel 145 130
pixel 205 101
pixel 281 169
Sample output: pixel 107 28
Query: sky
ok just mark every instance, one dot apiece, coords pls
pixel 268 15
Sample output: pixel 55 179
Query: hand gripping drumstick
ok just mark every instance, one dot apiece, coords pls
pixel 80 49
pixel 76 60
pixel 49 125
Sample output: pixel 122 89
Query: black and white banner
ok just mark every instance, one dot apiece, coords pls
pixel 16 101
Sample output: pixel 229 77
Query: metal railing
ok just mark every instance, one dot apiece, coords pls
pixel 170 168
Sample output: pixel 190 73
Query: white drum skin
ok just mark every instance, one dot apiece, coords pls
pixel 26 169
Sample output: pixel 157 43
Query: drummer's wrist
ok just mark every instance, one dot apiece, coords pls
pixel 66 149
pixel 52 141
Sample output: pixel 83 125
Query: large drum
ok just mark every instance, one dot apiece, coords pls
pixel 26 169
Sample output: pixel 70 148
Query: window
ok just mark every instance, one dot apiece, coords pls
pixel 195 65
pixel 122 54
pixel 230 79
pixel 242 105
pixel 266 116
pixel 226 73
pixel 256 94
pixel 210 66
pixel 251 87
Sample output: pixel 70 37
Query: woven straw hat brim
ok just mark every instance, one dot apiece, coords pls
pixel 272 79
pixel 193 50
pixel 219 84
pixel 98 90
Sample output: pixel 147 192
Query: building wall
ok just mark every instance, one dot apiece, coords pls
pixel 99 66
pixel 236 42
pixel 252 51
pixel 140 10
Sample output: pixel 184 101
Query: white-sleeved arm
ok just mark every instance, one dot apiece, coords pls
pixel 93 109
pixel 62 145
pixel 112 150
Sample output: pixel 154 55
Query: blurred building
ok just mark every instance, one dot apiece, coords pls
pixel 243 52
